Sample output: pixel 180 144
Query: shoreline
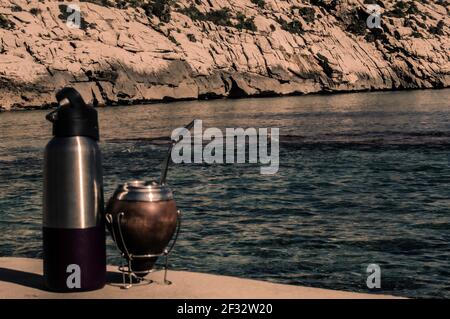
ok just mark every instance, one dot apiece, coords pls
pixel 54 105
pixel 22 278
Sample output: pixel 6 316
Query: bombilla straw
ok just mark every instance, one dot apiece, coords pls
pixel 167 160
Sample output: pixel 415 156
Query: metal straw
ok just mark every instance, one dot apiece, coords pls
pixel 167 160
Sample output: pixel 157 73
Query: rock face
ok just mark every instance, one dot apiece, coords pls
pixel 217 48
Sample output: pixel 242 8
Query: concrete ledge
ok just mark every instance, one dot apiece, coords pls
pixel 22 278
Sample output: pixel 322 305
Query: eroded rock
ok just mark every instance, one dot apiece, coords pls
pixel 285 47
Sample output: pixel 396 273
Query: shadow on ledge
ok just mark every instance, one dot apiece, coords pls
pixel 36 281
pixel 22 278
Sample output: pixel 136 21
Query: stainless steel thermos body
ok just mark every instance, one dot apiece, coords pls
pixel 74 249
pixel 72 183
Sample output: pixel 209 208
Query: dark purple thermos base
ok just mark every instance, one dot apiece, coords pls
pixel 84 248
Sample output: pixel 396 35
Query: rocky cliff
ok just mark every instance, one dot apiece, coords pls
pixel 141 51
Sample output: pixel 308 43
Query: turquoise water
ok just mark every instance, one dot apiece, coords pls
pixel 364 178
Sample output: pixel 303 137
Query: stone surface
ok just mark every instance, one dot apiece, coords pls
pixel 124 56
pixel 22 278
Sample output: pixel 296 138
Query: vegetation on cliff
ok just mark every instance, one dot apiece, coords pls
pixel 5 23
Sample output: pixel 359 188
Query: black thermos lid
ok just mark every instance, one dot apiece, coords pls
pixel 74 118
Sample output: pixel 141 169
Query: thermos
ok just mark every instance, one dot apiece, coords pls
pixel 74 249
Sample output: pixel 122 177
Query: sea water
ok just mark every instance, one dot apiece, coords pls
pixel 364 178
